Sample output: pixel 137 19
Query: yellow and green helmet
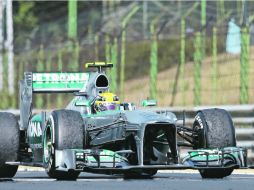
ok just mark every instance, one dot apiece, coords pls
pixel 106 101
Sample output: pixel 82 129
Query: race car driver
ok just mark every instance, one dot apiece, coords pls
pixel 106 101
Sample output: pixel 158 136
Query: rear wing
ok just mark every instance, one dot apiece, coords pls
pixel 46 83
pixel 57 82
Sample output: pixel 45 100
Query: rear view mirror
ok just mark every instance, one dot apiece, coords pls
pixel 146 103
pixel 83 103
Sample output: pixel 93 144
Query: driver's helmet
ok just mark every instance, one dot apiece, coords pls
pixel 106 101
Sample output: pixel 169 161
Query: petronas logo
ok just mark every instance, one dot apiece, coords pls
pixel 60 77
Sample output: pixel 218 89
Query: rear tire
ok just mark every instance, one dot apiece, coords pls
pixel 8 171
pixel 214 129
pixel 9 144
pixel 64 130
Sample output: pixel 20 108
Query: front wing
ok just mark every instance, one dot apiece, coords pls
pixel 109 162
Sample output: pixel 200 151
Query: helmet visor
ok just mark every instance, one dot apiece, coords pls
pixel 110 106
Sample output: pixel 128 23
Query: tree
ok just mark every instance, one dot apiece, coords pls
pixel 25 22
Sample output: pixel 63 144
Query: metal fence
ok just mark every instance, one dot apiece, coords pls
pixel 174 51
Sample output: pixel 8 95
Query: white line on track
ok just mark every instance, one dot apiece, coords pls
pixel 92 180
pixel 179 171
pixel 32 180
pixel 238 171
pixel 236 177
pixel 47 180
pixel 121 179
pixel 188 171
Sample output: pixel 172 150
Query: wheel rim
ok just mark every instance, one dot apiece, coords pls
pixel 198 137
pixel 47 143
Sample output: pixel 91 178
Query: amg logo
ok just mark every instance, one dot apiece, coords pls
pixel 199 121
pixel 34 129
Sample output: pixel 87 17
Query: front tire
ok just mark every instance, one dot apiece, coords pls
pixel 215 173
pixel 138 175
pixel 9 144
pixel 214 129
pixel 64 130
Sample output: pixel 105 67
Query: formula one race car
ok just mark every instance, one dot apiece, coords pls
pixel 98 133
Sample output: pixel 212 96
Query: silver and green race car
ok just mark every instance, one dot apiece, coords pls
pixel 124 140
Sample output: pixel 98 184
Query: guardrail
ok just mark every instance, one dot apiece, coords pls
pixel 242 115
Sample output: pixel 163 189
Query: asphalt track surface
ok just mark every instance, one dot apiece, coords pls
pixel 39 181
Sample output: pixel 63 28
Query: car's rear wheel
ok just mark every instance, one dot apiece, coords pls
pixel 8 171
pixel 9 144
pixel 64 130
pixel 214 129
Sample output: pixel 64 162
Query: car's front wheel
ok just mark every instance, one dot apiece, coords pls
pixel 214 129
pixel 64 130
pixel 140 174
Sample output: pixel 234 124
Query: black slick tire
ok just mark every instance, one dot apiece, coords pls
pixel 64 130
pixel 140 174
pixel 214 129
pixel 9 144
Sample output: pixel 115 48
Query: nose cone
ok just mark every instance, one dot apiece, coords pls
pixel 141 116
